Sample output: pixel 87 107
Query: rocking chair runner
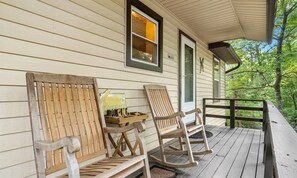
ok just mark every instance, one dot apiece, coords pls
pixel 68 108
pixel 169 124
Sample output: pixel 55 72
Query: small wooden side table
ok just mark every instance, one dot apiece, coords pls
pixel 121 122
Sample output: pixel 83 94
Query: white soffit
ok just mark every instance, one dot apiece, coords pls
pixel 220 20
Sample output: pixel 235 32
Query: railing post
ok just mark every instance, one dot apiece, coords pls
pixel 232 113
pixel 264 115
pixel 268 160
pixel 204 111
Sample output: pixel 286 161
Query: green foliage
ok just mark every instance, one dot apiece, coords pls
pixel 246 124
pixel 250 114
pixel 256 77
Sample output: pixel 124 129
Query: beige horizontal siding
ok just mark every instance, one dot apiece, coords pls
pixel 16 156
pixel 205 85
pixel 23 169
pixel 14 125
pixel 81 38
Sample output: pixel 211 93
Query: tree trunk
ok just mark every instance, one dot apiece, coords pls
pixel 294 101
pixel 278 68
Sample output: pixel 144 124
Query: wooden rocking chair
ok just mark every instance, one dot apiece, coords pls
pixel 169 124
pixel 68 110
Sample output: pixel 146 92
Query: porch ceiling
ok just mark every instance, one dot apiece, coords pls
pixel 219 20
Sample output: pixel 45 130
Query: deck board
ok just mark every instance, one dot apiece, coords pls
pixel 222 149
pixel 250 166
pixel 230 157
pixel 213 160
pixel 260 164
pixel 204 159
pixel 236 153
pixel 238 164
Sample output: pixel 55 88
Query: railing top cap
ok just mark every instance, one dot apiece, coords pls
pixel 235 99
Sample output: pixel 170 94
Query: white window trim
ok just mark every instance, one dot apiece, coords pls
pixel 218 61
pixel 219 78
pixel 133 8
pixel 156 43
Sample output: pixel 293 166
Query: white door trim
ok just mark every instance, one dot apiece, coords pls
pixel 187 105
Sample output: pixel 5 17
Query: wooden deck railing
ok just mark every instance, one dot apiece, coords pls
pixel 280 151
pixel 280 139
pixel 233 107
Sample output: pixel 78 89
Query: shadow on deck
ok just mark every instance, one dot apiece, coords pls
pixel 236 153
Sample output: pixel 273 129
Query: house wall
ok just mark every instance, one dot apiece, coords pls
pixel 81 38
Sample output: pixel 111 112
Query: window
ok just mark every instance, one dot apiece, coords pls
pixel 144 37
pixel 216 78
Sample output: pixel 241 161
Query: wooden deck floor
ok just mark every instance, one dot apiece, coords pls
pixel 236 153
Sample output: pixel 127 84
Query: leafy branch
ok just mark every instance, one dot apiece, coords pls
pixel 247 88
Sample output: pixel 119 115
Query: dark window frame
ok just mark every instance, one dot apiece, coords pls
pixel 146 10
pixel 216 59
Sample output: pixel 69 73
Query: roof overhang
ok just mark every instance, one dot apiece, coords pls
pixel 271 11
pixel 220 20
pixel 225 52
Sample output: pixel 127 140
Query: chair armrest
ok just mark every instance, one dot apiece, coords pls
pixel 180 114
pixel 196 110
pixel 136 125
pixel 71 143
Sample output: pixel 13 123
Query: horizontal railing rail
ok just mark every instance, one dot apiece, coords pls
pixel 233 107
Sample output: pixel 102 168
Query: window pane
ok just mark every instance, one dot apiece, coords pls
pixel 216 71
pixel 216 78
pixel 143 27
pixel 144 50
pixel 216 89
pixel 189 79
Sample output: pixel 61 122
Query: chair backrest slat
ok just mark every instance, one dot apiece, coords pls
pixel 44 121
pixel 96 122
pixel 64 109
pixel 78 116
pixel 68 106
pixel 85 122
pixel 161 105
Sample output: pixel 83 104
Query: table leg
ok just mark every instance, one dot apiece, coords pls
pixel 116 146
pixel 135 146
pixel 129 144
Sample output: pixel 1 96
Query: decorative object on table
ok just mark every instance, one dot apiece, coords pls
pixel 114 104
pixel 123 120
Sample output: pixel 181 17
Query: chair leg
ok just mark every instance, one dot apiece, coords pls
pixel 181 147
pixel 162 150
pixel 189 148
pixel 205 139
pixel 181 144
pixel 199 119
pixel 206 146
pixel 142 151
pixel 146 168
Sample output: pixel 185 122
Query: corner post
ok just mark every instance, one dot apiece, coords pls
pixel 268 157
pixel 232 113
pixel 204 111
pixel 264 115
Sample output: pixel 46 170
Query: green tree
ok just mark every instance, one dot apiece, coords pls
pixel 285 29
pixel 270 71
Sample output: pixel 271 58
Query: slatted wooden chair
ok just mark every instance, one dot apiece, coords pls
pixel 68 110
pixel 169 124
